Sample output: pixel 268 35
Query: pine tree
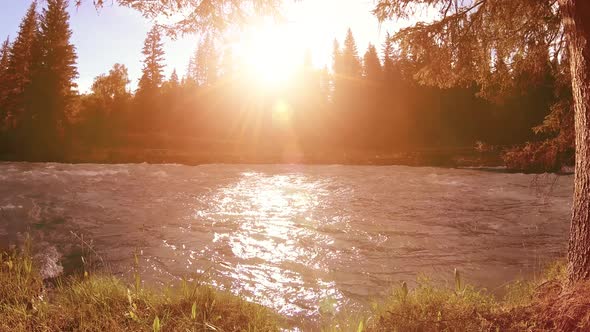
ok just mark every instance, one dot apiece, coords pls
pixel 388 57
pixel 371 64
pixel 347 90
pixel 173 83
pixel 336 79
pixel 190 70
pixel 212 61
pixel 351 63
pixel 204 66
pixel 152 76
pixel 53 92
pixel 193 71
pixel 336 57
pixel 371 112
pixel 4 57
pixel 19 73
pixel 326 87
pixel 4 60
pixel 174 79
pixel 148 99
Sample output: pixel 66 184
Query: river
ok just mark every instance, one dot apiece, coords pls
pixel 288 236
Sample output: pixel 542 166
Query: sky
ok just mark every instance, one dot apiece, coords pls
pixel 116 34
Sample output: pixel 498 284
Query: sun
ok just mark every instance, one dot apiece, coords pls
pixel 270 52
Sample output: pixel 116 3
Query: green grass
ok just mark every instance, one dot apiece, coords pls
pixel 95 302
pixel 428 307
pixel 537 305
pixel 101 302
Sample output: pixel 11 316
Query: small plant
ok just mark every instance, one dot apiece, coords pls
pixel 136 275
pixel 457 281
pixel 361 327
pixel 194 311
pixel 10 264
pixel 28 265
pixel 156 324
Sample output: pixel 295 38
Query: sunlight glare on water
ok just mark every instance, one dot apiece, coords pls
pixel 274 232
pixel 303 240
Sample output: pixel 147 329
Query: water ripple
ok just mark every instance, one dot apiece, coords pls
pixel 299 239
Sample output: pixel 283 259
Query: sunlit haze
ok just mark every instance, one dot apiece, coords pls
pixel 272 50
pixel 269 51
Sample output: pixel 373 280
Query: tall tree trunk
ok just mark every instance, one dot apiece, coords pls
pixel 576 19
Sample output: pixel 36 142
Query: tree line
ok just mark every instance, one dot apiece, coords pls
pixel 37 88
pixel 372 103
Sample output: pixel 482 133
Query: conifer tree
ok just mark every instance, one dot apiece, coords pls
pixel 19 73
pixel 204 65
pixel 336 57
pixel 371 64
pixel 4 57
pixel 4 60
pixel 212 60
pixel 325 85
pixel 346 87
pixel 336 82
pixel 152 76
pixel 351 63
pixel 148 101
pixel 192 72
pixel 53 93
pixel 174 79
pixel 188 77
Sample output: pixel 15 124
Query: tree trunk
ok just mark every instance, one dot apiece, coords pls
pixel 576 19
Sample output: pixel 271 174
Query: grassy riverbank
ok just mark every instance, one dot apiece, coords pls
pixel 540 305
pixel 95 302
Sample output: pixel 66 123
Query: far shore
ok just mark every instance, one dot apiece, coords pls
pixel 458 157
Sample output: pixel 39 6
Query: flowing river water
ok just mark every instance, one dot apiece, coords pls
pixel 292 237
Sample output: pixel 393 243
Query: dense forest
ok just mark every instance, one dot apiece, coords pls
pixel 360 108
